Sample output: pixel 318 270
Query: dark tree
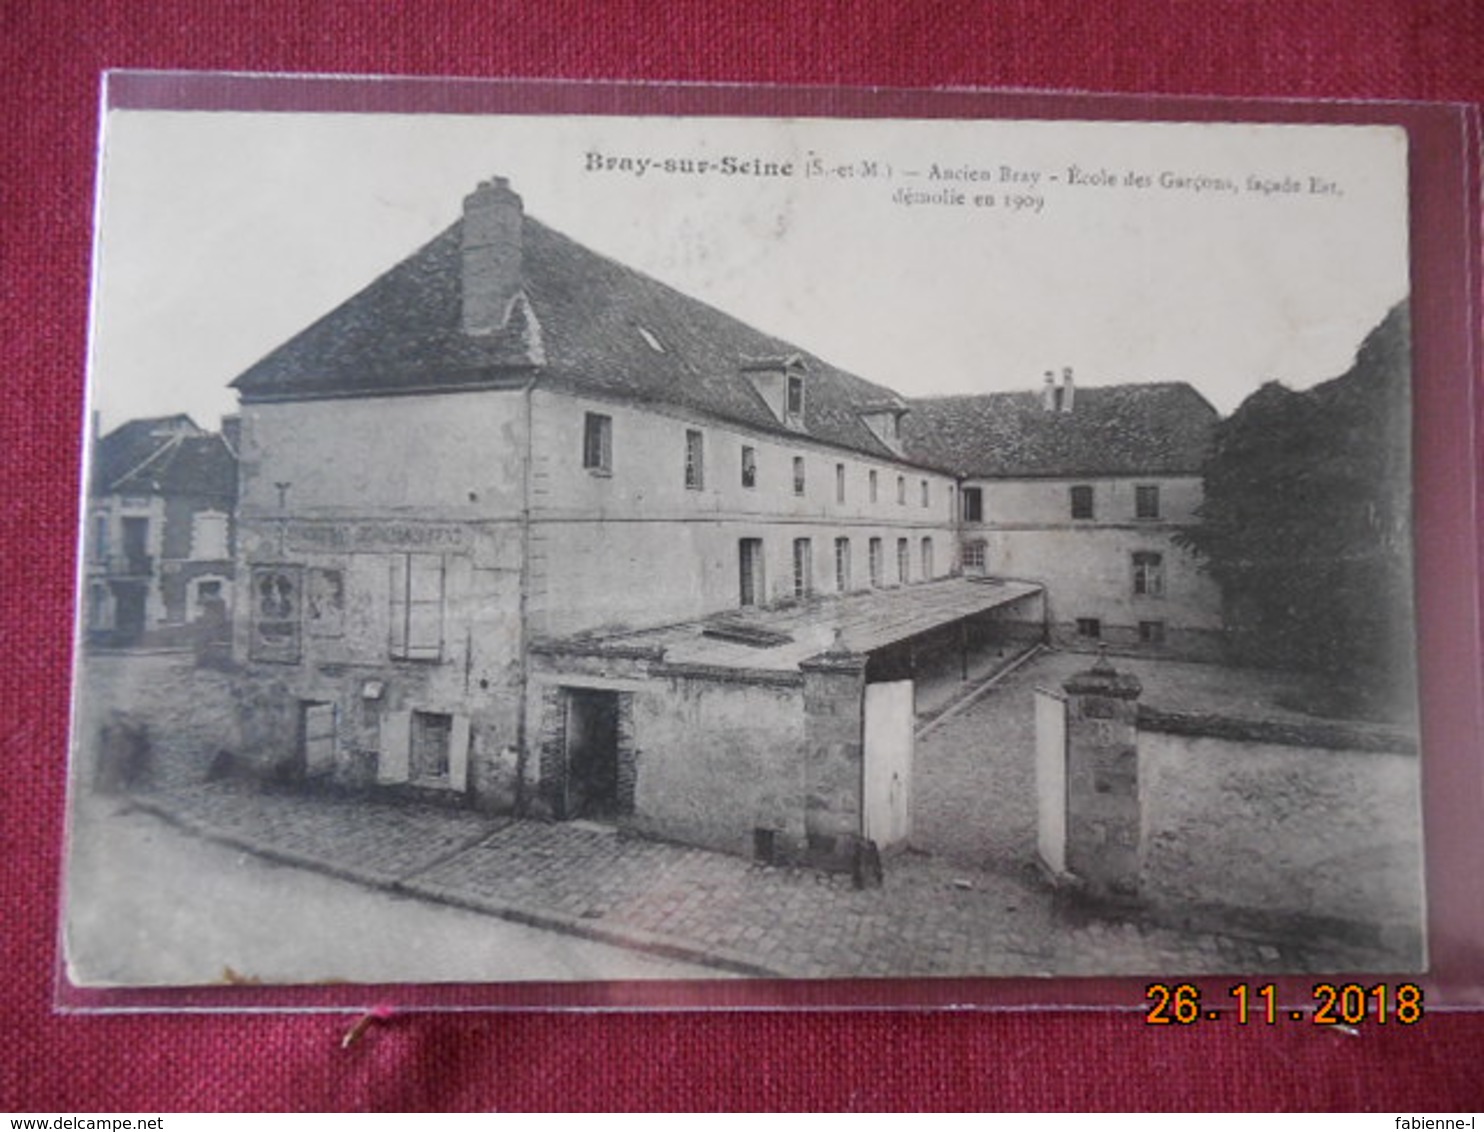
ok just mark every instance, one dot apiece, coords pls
pixel 1306 527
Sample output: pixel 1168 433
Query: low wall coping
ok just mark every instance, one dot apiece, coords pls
pixel 1337 736
pixel 775 677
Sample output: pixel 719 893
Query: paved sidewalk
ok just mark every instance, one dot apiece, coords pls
pixel 931 917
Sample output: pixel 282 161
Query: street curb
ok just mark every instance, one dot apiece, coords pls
pixel 268 852
pixel 632 939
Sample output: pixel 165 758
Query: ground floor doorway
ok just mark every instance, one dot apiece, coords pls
pixel 129 603
pixel 592 741
pixel 316 738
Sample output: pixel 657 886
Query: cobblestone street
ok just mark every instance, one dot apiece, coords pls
pixel 971 906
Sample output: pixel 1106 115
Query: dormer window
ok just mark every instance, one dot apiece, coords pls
pixel 795 396
pixel 779 382
pixel 884 419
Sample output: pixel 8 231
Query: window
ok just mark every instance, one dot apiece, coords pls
pixel 796 396
pixel 803 568
pixel 875 564
pixel 973 498
pixel 839 483
pixel 136 546
pixel 100 538
pixel 597 443
pixel 1152 632
pixel 209 535
pixel 927 560
pixel 98 607
pixel 1082 501
pixel 1089 627
pixel 750 569
pixel 425 748
pixel 798 475
pixel 1149 574
pixel 925 495
pixel 208 595
pixel 974 557
pixel 417 606
pixel 873 485
pixel 904 565
pixel 695 460
pixel 1146 501
pixel 842 564
pixel 276 601
pixel 902 490
pixel 749 466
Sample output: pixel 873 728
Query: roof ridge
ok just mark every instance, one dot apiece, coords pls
pixel 1172 383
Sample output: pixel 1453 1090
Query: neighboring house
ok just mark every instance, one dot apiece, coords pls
pixel 159 541
pixel 473 493
pixel 1081 490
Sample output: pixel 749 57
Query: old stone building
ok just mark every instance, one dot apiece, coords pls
pixel 466 487
pixel 1082 490
pixel 523 526
pixel 158 563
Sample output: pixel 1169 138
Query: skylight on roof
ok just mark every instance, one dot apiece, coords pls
pixel 654 343
pixel 743 634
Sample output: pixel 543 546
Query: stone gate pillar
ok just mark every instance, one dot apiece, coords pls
pixel 1103 813
pixel 834 698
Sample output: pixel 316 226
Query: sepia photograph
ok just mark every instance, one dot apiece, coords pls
pixel 538 548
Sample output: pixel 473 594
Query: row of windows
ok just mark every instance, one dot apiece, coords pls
pixel 287 600
pixel 753 586
pixel 1146 501
pixel 597 457
pixel 1080 500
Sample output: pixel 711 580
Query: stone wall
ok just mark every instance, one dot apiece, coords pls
pixel 1297 837
pixel 708 759
pixel 1291 830
pixel 718 760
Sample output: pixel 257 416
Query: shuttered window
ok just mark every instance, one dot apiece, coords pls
pixel 417 606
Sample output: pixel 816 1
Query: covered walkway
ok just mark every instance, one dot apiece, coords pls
pixel 937 633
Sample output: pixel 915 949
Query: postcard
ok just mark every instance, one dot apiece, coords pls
pixel 595 547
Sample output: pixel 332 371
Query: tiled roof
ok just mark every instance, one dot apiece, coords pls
pixel 1156 429
pixel 130 445
pixel 164 455
pixel 604 328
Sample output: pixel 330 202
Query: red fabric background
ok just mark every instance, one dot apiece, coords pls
pixel 52 55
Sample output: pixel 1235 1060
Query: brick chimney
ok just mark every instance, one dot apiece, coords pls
pixel 1067 390
pixel 492 273
pixel 1048 393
